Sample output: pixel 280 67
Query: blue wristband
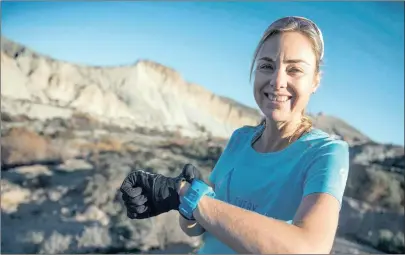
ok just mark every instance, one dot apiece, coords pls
pixel 189 202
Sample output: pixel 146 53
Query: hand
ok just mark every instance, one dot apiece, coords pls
pixel 147 195
pixel 183 187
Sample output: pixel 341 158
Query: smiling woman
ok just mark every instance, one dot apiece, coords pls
pixel 277 187
pixel 290 52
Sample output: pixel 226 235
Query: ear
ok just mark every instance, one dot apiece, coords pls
pixel 317 81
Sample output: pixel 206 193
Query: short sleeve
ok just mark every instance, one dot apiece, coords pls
pixel 328 170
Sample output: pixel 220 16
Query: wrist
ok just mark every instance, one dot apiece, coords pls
pixel 199 210
pixel 194 195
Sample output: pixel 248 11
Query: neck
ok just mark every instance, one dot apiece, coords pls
pixel 277 135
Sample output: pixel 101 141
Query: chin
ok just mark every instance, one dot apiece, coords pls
pixel 277 116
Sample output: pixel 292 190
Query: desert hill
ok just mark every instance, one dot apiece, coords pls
pixel 145 94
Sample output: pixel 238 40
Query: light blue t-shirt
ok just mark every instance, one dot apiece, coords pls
pixel 273 184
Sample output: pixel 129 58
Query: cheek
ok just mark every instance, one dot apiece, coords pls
pixel 256 90
pixel 302 94
pixel 258 85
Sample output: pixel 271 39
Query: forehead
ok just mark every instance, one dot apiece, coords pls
pixel 289 45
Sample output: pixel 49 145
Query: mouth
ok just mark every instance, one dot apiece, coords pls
pixel 277 99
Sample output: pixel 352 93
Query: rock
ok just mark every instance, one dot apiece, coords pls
pixel 80 210
pixel 44 88
pixel 368 153
pixel 337 127
pixel 93 213
pixel 344 246
pixel 94 239
pixel 364 222
pixel 12 196
pixel 379 186
pixel 74 165
pixel 55 244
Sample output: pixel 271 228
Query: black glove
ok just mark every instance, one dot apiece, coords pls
pixel 147 195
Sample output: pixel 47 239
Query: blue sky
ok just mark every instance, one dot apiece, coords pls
pixel 212 44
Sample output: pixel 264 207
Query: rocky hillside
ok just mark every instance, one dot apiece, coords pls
pixel 336 126
pixel 60 181
pixel 145 94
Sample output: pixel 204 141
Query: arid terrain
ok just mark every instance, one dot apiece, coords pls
pixel 70 134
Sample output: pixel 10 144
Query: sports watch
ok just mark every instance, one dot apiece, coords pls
pixel 189 202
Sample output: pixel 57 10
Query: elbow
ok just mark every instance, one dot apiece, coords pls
pixel 308 248
pixel 288 249
pixel 295 248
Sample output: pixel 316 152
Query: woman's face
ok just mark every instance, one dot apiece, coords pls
pixel 285 76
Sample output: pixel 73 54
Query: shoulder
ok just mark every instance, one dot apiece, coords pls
pixel 321 149
pixel 319 142
pixel 327 164
pixel 326 154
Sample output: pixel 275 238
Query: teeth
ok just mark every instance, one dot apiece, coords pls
pixel 279 98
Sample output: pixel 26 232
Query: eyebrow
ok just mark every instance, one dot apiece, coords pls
pixel 289 61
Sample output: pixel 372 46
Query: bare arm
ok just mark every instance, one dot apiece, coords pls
pixel 249 232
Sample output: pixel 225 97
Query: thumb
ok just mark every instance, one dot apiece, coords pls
pixel 190 173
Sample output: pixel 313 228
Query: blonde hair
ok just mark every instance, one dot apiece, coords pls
pixel 314 34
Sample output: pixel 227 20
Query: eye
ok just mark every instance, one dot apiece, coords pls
pixel 294 70
pixel 266 66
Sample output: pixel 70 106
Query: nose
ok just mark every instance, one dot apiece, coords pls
pixel 278 79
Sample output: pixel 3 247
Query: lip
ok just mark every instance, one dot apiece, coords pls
pixel 276 103
pixel 276 94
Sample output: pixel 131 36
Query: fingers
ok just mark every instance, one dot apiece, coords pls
pixel 190 173
pixel 136 208
pixel 141 212
pixel 139 200
pixel 129 186
pixel 135 189
pixel 140 216
pixel 131 191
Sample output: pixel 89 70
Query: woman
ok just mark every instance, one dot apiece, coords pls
pixel 278 186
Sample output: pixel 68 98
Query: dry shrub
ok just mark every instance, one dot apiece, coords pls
pixel 109 144
pixel 21 146
pixel 84 121
pixel 131 147
pixel 103 144
pixel 179 141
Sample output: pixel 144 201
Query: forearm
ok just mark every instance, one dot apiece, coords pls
pixel 248 232
pixel 190 227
